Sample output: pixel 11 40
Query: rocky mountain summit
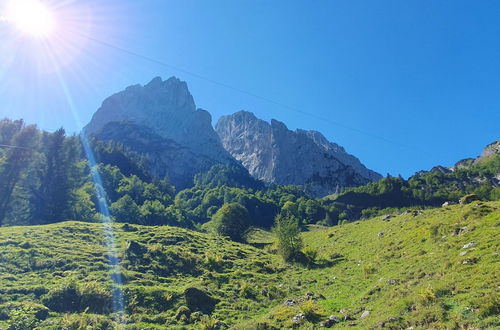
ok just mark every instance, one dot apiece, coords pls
pixel 161 121
pixel 274 154
pixel 490 150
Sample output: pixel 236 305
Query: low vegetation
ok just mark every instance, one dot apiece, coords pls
pixel 434 268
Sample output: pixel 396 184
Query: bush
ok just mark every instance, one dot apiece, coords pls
pixel 310 310
pixel 207 323
pixel 214 261
pixel 25 316
pixel 288 235
pixel 22 319
pixel 231 220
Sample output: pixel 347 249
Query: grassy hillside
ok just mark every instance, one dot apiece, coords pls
pixel 409 270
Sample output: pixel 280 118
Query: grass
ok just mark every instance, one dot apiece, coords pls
pixel 408 271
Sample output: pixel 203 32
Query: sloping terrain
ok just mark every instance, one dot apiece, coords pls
pixel 436 268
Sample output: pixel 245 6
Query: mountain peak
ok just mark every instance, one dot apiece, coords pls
pixel 273 153
pixel 166 109
pixel 154 104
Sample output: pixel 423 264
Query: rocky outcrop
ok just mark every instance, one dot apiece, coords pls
pixel 164 157
pixel 490 150
pixel 274 154
pixel 160 120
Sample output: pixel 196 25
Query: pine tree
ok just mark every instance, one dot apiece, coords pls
pixel 16 161
pixel 51 199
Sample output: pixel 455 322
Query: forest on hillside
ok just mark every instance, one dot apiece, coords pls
pixel 46 178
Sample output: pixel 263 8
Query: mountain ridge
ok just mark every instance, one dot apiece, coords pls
pixel 166 112
pixel 273 153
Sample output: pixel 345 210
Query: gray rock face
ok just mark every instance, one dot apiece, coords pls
pixel 160 119
pixel 274 154
pixel 491 149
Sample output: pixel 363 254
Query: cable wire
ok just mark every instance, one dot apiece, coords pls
pixel 239 90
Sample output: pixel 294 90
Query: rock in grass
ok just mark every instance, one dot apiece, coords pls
pixel 469 245
pixel 467 199
pixel 470 261
pixel 365 314
pixel 298 318
pixel 330 321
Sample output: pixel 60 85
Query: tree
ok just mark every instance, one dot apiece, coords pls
pixel 126 210
pixel 16 161
pixel 231 220
pixel 154 213
pixel 51 199
pixel 287 232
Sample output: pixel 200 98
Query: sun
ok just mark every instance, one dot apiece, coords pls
pixel 32 17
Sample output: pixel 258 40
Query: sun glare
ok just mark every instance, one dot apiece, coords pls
pixel 32 17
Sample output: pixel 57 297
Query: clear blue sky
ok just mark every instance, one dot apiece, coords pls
pixel 424 75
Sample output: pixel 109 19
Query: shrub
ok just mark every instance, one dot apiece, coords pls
pixel 214 261
pixel 207 323
pixel 427 296
pixel 288 234
pixel 26 316
pixel 22 320
pixel 310 310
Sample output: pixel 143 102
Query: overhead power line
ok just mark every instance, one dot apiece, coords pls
pixel 14 147
pixel 242 91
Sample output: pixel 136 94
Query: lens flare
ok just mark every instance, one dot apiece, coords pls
pixel 31 17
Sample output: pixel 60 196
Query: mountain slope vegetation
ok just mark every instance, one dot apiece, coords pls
pixel 435 268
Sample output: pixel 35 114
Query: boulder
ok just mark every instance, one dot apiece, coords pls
pixel 467 199
pixel 298 318
pixel 330 321
pixel 469 245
